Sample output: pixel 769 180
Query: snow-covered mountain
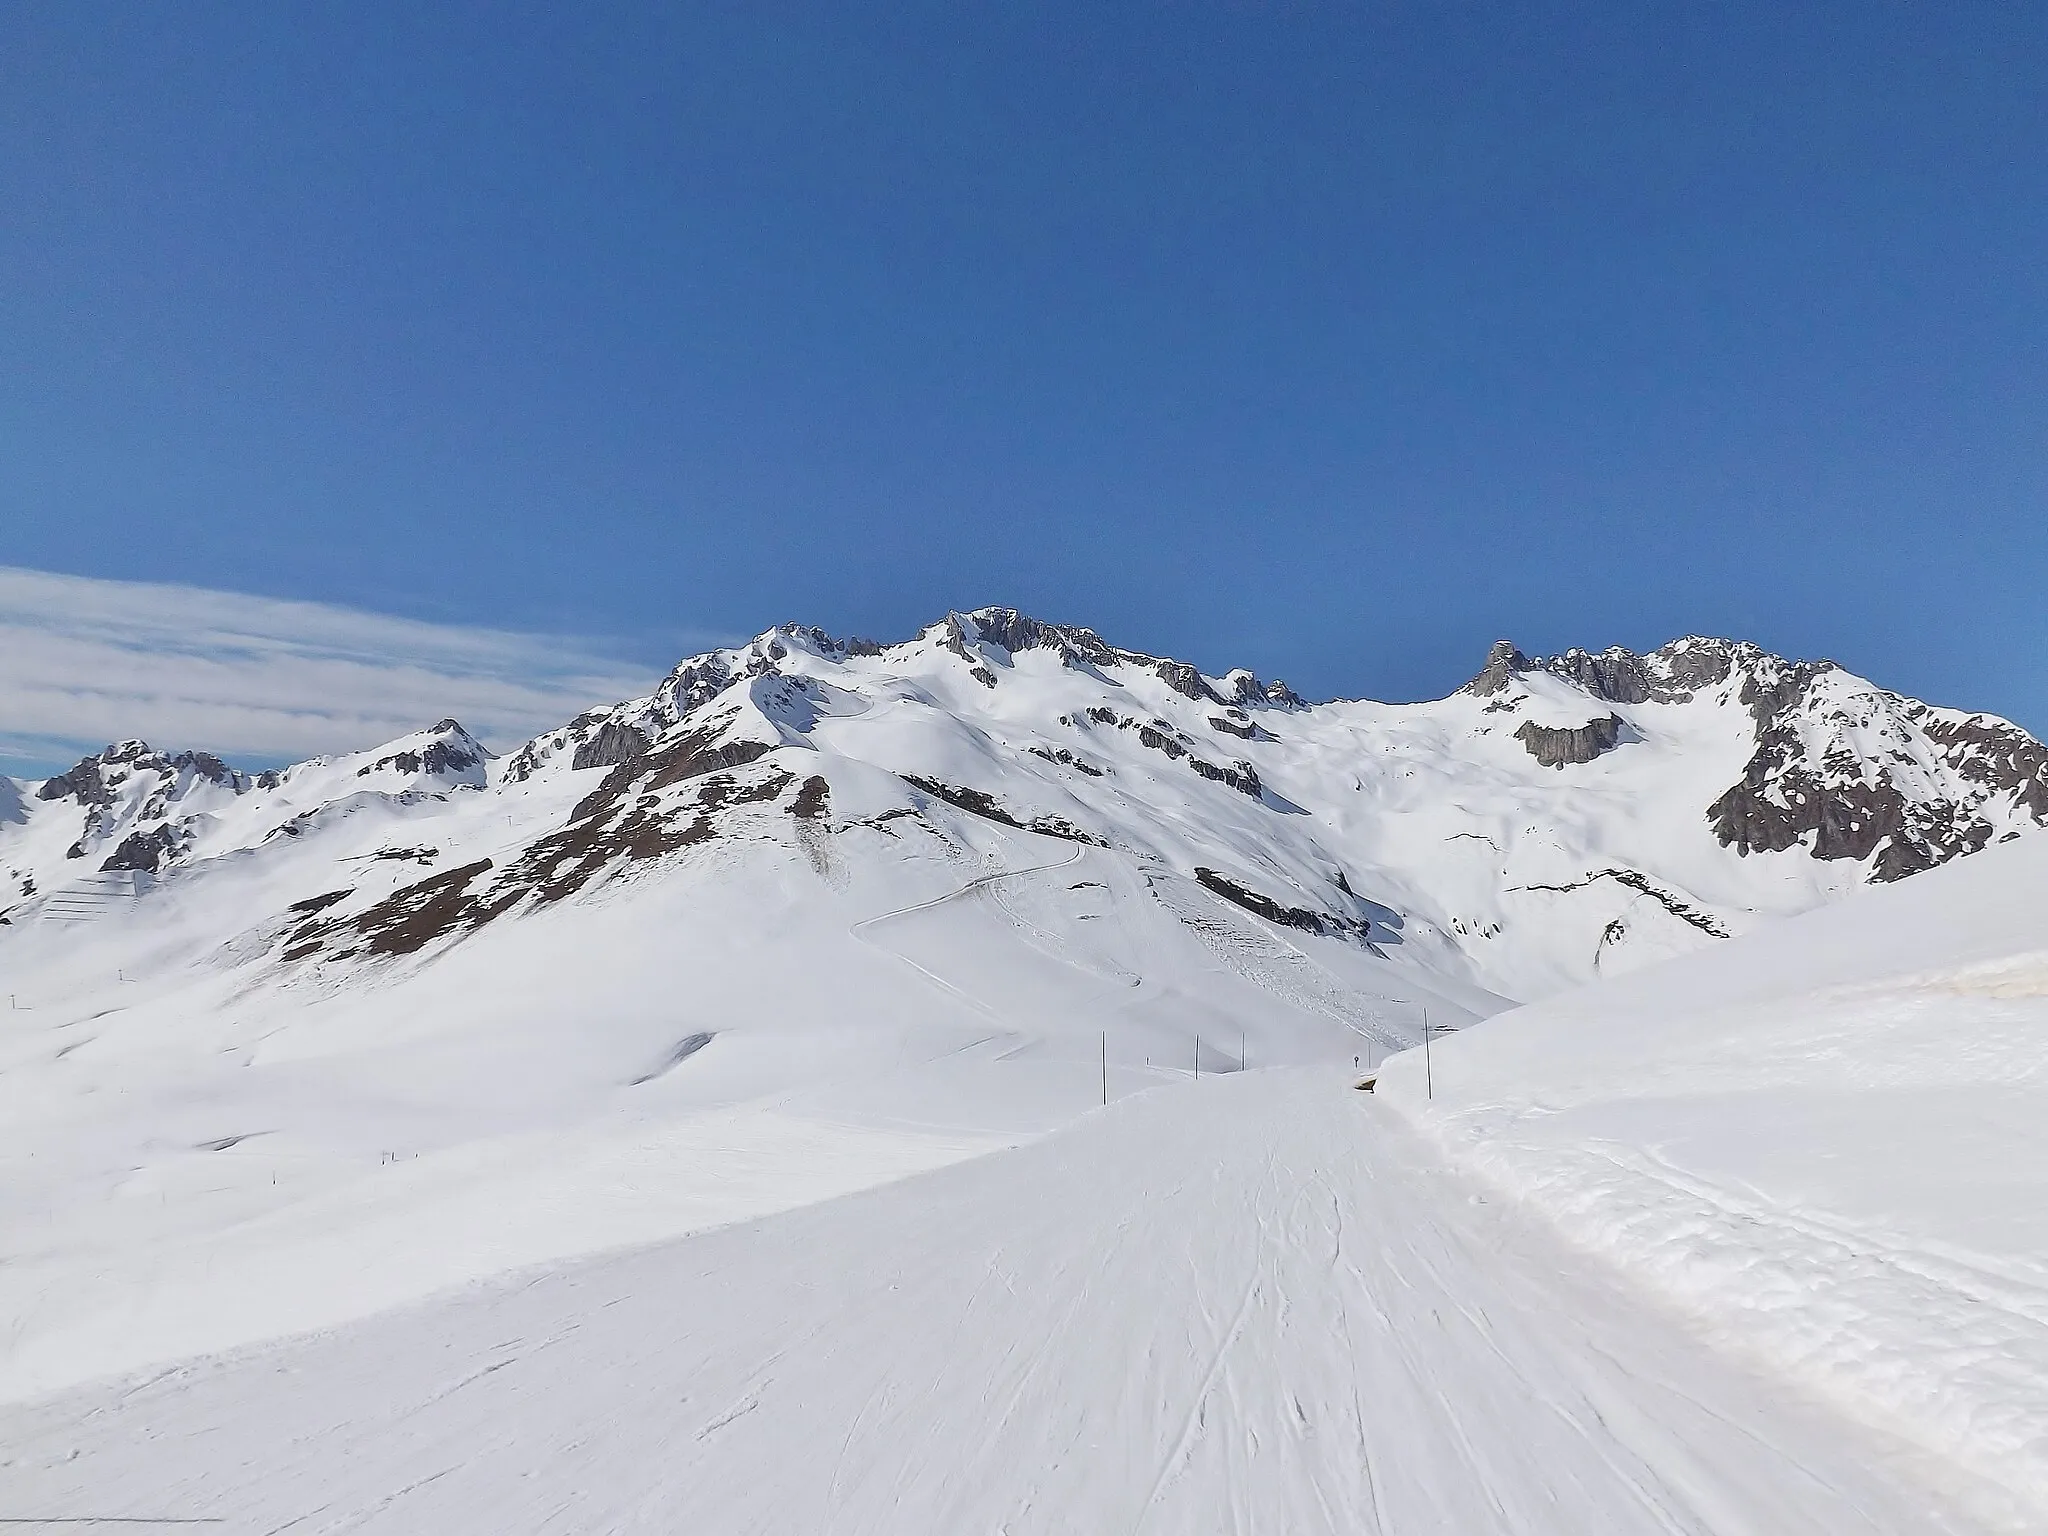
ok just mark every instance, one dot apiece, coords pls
pixel 1553 820
pixel 284 1049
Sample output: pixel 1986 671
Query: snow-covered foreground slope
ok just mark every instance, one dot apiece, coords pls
pixel 1252 1305
pixel 1828 1141
pixel 193 1161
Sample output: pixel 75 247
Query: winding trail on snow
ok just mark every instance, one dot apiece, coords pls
pixel 861 929
pixel 1257 1304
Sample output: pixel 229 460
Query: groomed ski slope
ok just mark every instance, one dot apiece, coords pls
pixel 1254 1304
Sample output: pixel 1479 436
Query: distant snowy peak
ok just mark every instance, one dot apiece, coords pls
pixel 1842 767
pixel 139 809
pixel 129 794
pixel 970 636
pixel 985 642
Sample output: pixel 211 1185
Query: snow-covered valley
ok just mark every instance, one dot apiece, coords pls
pixel 499 1126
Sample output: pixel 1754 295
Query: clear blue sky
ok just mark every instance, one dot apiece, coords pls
pixel 1334 340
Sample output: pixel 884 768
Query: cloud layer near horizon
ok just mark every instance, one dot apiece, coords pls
pixel 84 662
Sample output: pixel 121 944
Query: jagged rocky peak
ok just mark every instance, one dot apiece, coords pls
pixel 818 642
pixel 1504 663
pixel 93 780
pixel 1013 631
pixel 1853 771
pixel 1670 674
pixel 445 750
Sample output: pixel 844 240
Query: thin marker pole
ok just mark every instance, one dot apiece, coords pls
pixel 1428 1079
pixel 1198 1058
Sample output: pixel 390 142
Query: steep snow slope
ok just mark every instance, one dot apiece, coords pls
pixel 1828 1141
pixel 1245 1306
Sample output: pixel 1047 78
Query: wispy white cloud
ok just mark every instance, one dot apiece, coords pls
pixel 84 662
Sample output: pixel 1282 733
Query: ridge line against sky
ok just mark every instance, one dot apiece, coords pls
pixel 264 681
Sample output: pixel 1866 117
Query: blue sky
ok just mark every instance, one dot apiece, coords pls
pixel 1335 341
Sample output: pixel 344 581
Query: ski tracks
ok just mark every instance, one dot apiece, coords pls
pixel 1254 1306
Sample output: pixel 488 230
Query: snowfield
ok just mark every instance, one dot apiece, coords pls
pixel 1827 1142
pixel 1254 1305
pixel 909 1089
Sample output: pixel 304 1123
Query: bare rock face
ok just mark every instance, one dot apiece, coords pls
pixel 1670 674
pixel 1812 780
pixel 452 752
pixel 1503 664
pixel 1186 681
pixel 1554 746
pixel 1807 780
pixel 146 851
pixel 615 742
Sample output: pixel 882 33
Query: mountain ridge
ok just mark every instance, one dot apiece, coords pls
pixel 1651 757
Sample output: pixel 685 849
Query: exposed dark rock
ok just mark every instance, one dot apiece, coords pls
pixel 437 757
pixel 983 676
pixel 813 801
pixel 1059 826
pixel 1159 741
pixel 689 756
pixel 1615 675
pixel 1066 759
pixel 1015 632
pixel 1994 753
pixel 1692 664
pixel 1554 746
pixel 1853 808
pixel 1240 776
pixel 146 850
pixel 1635 880
pixel 321 902
pixel 1503 664
pixel 974 801
pixel 1186 681
pixel 615 742
pixel 86 783
pixel 562 863
pixel 409 918
pixel 1285 697
pixel 1305 918
pixel 723 789
pixel 698 680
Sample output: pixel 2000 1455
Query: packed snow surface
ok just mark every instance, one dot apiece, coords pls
pixel 1254 1305
pixel 1827 1141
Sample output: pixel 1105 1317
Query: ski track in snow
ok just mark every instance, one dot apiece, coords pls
pixel 863 930
pixel 1260 1304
